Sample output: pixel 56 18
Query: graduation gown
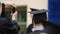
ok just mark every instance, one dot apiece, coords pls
pixel 29 29
pixel 49 28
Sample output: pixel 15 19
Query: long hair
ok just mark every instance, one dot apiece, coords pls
pixel 3 14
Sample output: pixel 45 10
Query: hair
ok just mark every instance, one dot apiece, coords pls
pixel 39 18
pixel 3 14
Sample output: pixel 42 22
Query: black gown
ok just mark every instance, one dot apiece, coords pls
pixel 48 27
pixel 29 29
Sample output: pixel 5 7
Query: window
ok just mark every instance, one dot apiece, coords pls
pixel 21 16
pixel 22 13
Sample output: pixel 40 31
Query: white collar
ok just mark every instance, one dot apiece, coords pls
pixel 34 29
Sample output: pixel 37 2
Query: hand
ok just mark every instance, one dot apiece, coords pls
pixel 14 15
pixel 11 4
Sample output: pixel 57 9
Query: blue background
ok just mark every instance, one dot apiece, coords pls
pixel 54 11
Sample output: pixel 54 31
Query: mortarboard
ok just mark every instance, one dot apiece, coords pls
pixel 36 11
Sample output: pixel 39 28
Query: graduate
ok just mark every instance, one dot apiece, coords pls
pixel 41 23
pixel 33 12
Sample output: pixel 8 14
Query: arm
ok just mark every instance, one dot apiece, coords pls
pixel 14 20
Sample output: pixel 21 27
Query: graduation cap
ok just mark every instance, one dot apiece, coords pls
pixel 32 9
pixel 39 14
pixel 36 11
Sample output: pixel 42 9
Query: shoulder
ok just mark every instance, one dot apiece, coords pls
pixel 3 20
pixel 31 33
pixel 35 32
pixel 31 25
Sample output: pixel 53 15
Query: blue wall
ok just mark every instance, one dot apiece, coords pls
pixel 54 11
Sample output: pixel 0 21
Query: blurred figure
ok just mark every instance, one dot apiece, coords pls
pixel 40 23
pixel 8 26
pixel 33 12
pixel 14 15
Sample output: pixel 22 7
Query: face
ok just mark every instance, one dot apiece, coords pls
pixel 0 9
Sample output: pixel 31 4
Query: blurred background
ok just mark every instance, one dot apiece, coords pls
pixel 23 6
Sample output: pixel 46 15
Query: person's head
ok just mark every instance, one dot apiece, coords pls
pixel 38 14
pixel 37 19
pixel 0 8
pixel 31 14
